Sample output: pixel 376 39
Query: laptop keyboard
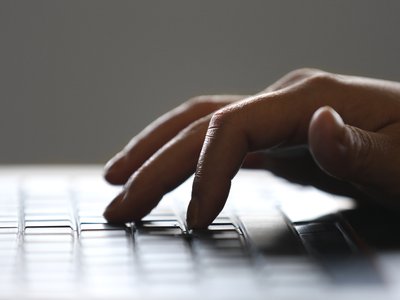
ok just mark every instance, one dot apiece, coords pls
pixel 54 240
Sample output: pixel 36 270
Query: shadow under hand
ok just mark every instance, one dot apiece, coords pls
pixel 372 225
pixel 297 165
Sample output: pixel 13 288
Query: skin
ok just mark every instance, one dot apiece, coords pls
pixel 350 126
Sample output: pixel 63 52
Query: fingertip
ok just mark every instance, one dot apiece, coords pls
pixel 192 216
pixel 198 217
pixel 113 177
pixel 118 211
pixel 109 216
pixel 208 200
pixel 325 138
pixel 326 117
pixel 112 169
pixel 124 209
pixel 111 211
pixel 326 128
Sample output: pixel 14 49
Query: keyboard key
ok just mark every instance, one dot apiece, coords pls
pixel 175 266
pixel 105 242
pixel 160 231
pixel 216 234
pixel 159 218
pixel 9 218
pixel 47 212
pixel 51 223
pixel 8 243
pixel 6 237
pixel 102 233
pixel 91 226
pixel 45 187
pixel 221 227
pixel 48 247
pixel 49 238
pixel 48 217
pixel 8 224
pixel 7 230
pixel 98 260
pixel 161 243
pixel 159 224
pixel 92 220
pixel 106 251
pixel 48 230
pixel 49 256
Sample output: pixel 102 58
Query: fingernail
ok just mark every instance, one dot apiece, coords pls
pixel 336 117
pixel 331 121
pixel 338 123
pixel 192 214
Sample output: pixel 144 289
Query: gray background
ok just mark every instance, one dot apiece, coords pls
pixel 79 78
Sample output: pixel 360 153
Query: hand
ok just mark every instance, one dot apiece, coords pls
pixel 214 135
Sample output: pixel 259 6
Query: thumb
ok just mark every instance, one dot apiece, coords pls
pixel 348 152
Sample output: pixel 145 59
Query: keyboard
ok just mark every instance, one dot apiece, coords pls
pixel 54 243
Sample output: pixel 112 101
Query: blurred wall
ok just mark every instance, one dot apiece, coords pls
pixel 79 78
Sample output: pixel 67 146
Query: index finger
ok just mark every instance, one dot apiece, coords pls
pixel 231 134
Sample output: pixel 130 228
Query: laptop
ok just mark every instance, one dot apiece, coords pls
pixel 273 240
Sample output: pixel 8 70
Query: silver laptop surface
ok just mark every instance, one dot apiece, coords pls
pixel 274 240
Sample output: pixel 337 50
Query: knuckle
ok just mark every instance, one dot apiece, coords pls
pixel 298 76
pixel 221 118
pixel 302 73
pixel 200 103
pixel 321 79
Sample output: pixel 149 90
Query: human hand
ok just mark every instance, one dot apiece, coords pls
pixel 213 135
